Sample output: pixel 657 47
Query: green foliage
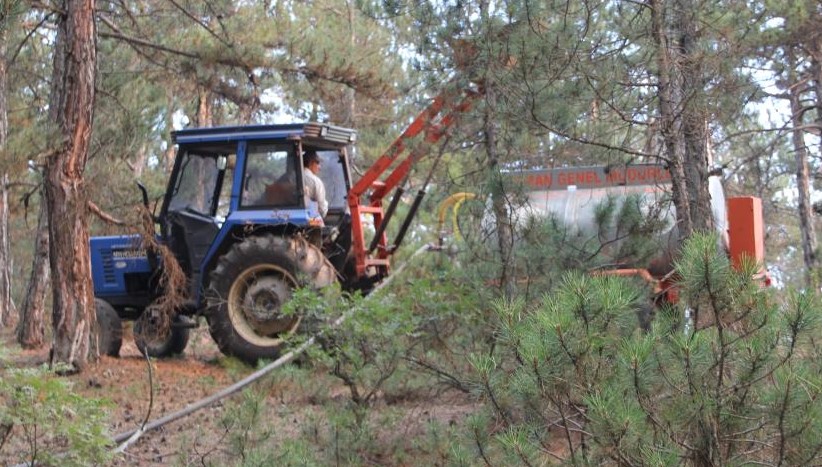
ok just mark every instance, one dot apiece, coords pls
pixel 249 438
pixel 49 422
pixel 739 385
pixel 401 344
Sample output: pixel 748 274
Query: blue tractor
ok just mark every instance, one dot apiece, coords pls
pixel 236 220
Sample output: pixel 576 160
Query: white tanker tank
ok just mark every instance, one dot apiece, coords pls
pixel 572 195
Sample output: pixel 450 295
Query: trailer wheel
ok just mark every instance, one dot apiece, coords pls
pixel 250 285
pixel 109 332
pixel 173 343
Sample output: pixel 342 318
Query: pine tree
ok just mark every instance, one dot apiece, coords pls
pixel 71 111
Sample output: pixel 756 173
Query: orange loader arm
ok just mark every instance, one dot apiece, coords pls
pixel 427 128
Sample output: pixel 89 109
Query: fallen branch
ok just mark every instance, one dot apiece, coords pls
pixel 104 215
pixel 133 435
pixel 139 432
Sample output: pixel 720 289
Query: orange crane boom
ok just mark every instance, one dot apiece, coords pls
pixel 432 123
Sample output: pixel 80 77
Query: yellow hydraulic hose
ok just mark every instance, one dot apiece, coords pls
pixel 455 201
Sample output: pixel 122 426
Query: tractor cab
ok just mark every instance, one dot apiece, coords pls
pixel 227 179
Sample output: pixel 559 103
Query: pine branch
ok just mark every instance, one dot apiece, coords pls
pixel 142 42
pixel 201 24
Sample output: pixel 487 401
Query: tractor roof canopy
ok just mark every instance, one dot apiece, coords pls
pixel 313 133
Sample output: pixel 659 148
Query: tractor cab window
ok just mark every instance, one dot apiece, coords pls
pixel 270 178
pixel 199 176
pixel 332 173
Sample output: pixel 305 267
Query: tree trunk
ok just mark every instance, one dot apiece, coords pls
pixel 806 227
pixel 816 76
pixel 31 329
pixel 72 109
pixel 694 114
pixel 670 122
pixel 168 157
pixel 349 97
pixel 4 110
pixel 8 312
pixel 682 113
pixel 138 165
pixel 205 110
pixel 499 202
pixel 5 258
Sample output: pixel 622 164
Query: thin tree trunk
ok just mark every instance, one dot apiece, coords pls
pixel 683 116
pixel 168 157
pixel 806 227
pixel 6 305
pixel 31 329
pixel 694 114
pixel 670 121
pixel 8 312
pixel 72 110
pixel 138 165
pixel 816 75
pixel 349 97
pixel 4 111
pixel 499 202
pixel 205 109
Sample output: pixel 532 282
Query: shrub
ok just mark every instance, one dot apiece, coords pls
pixel 578 380
pixel 43 421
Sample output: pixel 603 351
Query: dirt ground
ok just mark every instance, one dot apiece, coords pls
pixel 199 438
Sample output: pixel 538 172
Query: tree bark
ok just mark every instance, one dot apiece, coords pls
pixel 806 227
pixel 670 122
pixel 694 114
pixel 168 157
pixel 349 97
pixel 816 76
pixel 205 109
pixel 8 312
pixel 6 304
pixel 682 112
pixel 4 110
pixel 72 109
pixel 31 329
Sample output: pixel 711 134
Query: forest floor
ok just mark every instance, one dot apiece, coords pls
pixel 293 408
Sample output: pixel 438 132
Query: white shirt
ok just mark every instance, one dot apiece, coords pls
pixel 315 191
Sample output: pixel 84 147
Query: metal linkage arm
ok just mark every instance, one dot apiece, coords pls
pixel 447 106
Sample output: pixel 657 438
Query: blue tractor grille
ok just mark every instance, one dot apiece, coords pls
pixel 108 267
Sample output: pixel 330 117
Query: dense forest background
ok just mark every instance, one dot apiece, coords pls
pixel 706 87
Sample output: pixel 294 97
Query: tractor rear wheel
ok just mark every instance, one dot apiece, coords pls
pixel 109 332
pixel 249 287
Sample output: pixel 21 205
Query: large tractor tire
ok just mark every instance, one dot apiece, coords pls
pixel 109 332
pixel 250 285
pixel 174 342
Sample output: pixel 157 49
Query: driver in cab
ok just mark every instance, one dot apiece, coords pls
pixel 314 187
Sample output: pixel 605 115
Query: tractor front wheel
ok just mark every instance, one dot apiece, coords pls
pixel 109 332
pixel 249 287
pixel 151 341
